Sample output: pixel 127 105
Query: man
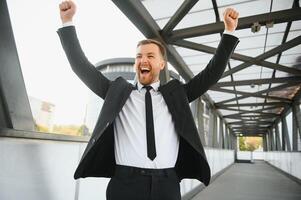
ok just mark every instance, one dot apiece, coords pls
pixel 145 138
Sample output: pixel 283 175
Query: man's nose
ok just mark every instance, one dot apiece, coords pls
pixel 144 59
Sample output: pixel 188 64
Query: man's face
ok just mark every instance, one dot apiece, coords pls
pixel 148 63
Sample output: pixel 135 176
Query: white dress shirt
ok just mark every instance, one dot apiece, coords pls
pixel 130 132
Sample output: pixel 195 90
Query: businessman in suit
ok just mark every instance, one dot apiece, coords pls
pixel 145 138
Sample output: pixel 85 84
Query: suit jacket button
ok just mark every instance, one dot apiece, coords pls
pixel 93 140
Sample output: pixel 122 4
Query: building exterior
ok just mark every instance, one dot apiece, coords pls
pixel 43 113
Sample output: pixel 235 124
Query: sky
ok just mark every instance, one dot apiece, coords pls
pixel 103 30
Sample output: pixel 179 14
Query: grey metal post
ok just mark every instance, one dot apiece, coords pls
pixel 269 142
pixel 234 145
pixel 221 134
pixel 285 135
pixel 295 131
pixel 272 139
pixel 264 142
pixel 227 138
pixel 200 118
pixel 278 144
pixel 211 128
pixel 230 140
pixel 15 111
pixel 214 138
pixel 298 117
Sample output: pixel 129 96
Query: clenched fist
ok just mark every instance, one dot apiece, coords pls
pixel 230 19
pixel 67 10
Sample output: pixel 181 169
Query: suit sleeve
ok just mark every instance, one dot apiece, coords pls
pixel 199 84
pixel 86 71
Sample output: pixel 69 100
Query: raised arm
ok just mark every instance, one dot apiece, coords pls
pixel 86 71
pixel 199 84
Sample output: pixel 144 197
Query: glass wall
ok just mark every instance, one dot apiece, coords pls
pixel 59 101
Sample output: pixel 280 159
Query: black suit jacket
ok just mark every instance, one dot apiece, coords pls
pixel 98 159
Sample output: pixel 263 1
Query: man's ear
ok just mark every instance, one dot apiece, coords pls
pixel 162 65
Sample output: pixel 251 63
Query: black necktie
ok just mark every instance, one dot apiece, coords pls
pixel 150 136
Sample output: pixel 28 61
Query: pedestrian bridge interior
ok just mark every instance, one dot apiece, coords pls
pixel 259 95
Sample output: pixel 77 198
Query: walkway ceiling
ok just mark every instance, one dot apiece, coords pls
pixel 263 78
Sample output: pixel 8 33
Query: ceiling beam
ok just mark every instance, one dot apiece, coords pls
pixel 237 56
pixel 279 104
pixel 255 94
pixel 290 79
pixel 253 123
pixel 250 111
pixel 243 23
pixel 241 115
pixel 284 38
pixel 258 59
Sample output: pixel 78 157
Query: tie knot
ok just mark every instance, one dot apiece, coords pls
pixel 148 87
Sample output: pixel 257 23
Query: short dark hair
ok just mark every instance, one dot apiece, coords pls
pixel 156 42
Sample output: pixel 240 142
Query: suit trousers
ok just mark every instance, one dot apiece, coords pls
pixel 132 183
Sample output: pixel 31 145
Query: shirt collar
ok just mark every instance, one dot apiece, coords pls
pixel 154 85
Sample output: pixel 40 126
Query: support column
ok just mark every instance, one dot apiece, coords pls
pixel 285 136
pixel 298 117
pixel 226 138
pixel 15 111
pixel 271 139
pixel 277 137
pixel 269 142
pixel 230 140
pixel 295 131
pixel 264 142
pixel 215 142
pixel 221 134
pixel 234 146
pixel 200 118
pixel 211 129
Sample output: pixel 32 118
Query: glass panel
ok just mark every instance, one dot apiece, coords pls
pixel 186 52
pixel 296 25
pixel 58 98
pixel 167 8
pixel 244 8
pixel 201 60
pixel 220 96
pixel 293 34
pixel 196 19
pixel 282 5
pixel 206 39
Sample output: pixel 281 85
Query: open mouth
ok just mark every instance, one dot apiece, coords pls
pixel 144 70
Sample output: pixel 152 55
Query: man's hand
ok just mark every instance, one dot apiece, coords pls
pixel 67 11
pixel 230 19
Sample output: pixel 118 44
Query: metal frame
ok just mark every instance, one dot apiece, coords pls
pixel 15 110
pixel 275 109
pixel 245 22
